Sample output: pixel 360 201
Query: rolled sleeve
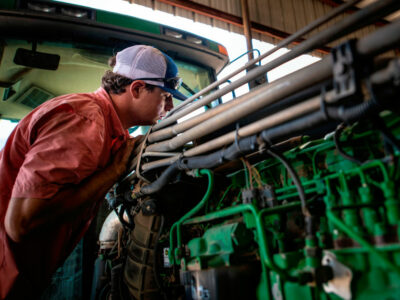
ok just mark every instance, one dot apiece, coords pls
pixel 66 149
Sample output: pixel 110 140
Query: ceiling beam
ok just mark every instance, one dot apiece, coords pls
pixel 234 20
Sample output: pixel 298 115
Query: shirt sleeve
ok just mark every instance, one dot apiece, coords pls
pixel 65 149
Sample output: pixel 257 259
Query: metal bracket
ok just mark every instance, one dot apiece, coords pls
pixel 345 70
pixel 342 276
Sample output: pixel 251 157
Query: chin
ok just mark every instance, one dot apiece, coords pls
pixel 148 123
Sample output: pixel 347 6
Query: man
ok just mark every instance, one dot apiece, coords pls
pixel 62 158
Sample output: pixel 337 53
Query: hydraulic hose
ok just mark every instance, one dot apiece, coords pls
pixel 206 161
pixel 176 226
pixel 165 177
pixel 353 113
pixel 295 179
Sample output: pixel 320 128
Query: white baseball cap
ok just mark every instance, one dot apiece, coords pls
pixel 149 64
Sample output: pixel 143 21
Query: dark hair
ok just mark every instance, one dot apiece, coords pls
pixel 114 83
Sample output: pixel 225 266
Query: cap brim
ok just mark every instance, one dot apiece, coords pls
pixel 176 94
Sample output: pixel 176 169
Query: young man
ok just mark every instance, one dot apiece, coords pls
pixel 62 158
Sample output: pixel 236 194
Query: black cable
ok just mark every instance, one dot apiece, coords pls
pixel 295 179
pixel 120 215
pixel 236 150
pixel 387 134
pixel 336 139
pixel 157 185
pixel 155 265
pixel 115 290
pixel 103 294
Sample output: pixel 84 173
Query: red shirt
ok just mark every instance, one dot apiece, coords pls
pixel 57 145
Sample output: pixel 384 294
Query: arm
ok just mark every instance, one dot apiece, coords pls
pixel 25 215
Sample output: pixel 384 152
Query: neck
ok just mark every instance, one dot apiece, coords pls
pixel 119 102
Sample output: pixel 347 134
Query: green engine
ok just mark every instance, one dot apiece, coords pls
pixel 261 241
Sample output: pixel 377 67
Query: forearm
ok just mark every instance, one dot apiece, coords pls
pixel 79 197
pixel 25 216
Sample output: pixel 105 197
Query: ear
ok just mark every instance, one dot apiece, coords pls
pixel 136 87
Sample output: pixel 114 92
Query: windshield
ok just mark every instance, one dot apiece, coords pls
pixel 195 78
pixel 78 69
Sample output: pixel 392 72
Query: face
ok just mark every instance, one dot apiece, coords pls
pixel 156 103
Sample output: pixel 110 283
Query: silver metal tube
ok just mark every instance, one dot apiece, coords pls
pixel 357 20
pixel 279 89
pixel 308 106
pixel 171 131
pixel 160 154
pixel 385 38
pixel 159 163
pixel 295 111
pixel 278 118
pixel 391 72
pixel 109 231
pixel 310 27
pixel 381 40
pixel 247 28
pixel 375 43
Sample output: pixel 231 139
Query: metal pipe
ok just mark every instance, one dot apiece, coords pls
pixel 374 44
pixel 385 37
pixel 171 131
pixel 381 40
pixel 247 28
pixel 392 72
pixel 295 111
pixel 281 88
pixel 253 128
pixel 371 41
pixel 363 17
pixel 109 231
pixel 160 154
pixel 159 163
pixel 310 27
pixel 284 208
pixel 278 118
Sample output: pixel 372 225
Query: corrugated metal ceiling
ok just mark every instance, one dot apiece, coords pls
pixel 272 20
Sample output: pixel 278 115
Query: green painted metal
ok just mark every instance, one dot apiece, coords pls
pixel 356 208
pixel 218 244
pixel 175 253
pixel 128 22
pixel 257 217
pixel 354 235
